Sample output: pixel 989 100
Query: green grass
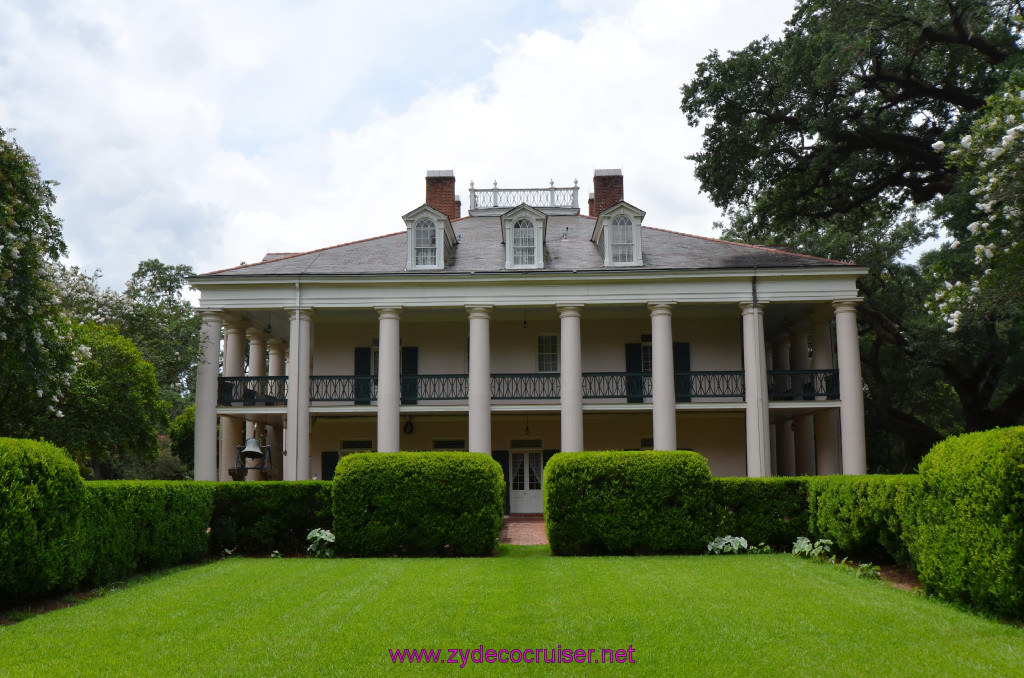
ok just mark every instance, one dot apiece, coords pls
pixel 741 615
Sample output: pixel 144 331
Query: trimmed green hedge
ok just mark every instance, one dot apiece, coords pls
pixel 134 525
pixel 418 504
pixel 969 541
pixel 40 510
pixel 769 510
pixel 258 518
pixel 865 516
pixel 629 502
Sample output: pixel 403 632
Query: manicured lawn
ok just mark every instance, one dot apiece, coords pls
pixel 736 616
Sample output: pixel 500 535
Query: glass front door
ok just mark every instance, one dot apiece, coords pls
pixel 526 474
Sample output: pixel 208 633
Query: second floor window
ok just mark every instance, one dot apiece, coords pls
pixel 426 243
pixel 523 243
pixel 547 353
pixel 622 240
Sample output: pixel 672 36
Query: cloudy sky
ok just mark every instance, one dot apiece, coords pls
pixel 208 133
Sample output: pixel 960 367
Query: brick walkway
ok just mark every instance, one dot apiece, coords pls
pixel 523 529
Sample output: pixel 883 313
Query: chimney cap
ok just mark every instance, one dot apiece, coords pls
pixel 440 173
pixel 608 173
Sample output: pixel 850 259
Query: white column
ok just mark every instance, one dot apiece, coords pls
pixel 389 381
pixel 257 368
pixel 206 397
pixel 276 368
pixel 300 342
pixel 784 438
pixel 803 426
pixel 851 392
pixel 231 429
pixel 826 422
pixel 756 386
pixel 479 378
pixel 571 378
pixel 663 381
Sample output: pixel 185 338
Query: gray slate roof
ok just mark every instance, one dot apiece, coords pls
pixel 567 248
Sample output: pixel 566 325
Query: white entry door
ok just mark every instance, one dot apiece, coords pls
pixel 527 473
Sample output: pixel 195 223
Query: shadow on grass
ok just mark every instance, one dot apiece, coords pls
pixel 517 551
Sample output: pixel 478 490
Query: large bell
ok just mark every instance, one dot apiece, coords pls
pixel 252 449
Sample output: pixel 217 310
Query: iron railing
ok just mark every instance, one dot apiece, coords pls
pixel 435 387
pixel 484 198
pixel 252 391
pixel 617 385
pixel 633 386
pixel 361 390
pixel 542 386
pixel 803 384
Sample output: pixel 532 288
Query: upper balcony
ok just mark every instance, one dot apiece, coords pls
pixel 628 387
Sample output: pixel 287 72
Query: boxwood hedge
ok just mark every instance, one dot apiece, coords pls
pixel 629 502
pixel 418 504
pixel 969 542
pixel 258 518
pixel 40 511
pixel 768 510
pixel 868 517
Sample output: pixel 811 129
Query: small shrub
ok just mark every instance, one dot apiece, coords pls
pixel 40 510
pixel 769 510
pixel 628 502
pixel 803 548
pixel 968 545
pixel 256 517
pixel 726 545
pixel 418 503
pixel 321 543
pixel 865 516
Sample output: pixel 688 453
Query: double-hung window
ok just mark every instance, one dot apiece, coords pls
pixel 426 242
pixel 524 241
pixel 622 240
pixel 547 353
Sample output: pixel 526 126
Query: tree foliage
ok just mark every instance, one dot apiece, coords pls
pixel 112 407
pixel 152 312
pixel 35 358
pixel 831 140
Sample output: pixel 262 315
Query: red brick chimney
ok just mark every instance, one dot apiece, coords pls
pixel 441 193
pixel 607 189
pixel 590 206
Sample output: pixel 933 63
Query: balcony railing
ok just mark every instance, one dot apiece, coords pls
pixel 527 386
pixel 632 386
pixel 252 391
pixel 361 390
pixel 485 198
pixel 803 384
pixel 435 387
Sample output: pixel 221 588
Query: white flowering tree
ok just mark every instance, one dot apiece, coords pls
pixel 990 274
pixel 35 348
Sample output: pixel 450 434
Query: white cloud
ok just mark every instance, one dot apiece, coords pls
pixel 210 133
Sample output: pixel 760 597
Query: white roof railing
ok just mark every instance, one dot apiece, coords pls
pixel 490 198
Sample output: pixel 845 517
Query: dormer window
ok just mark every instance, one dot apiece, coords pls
pixel 524 246
pixel 430 237
pixel 617 234
pixel 426 242
pixel 622 240
pixel 522 232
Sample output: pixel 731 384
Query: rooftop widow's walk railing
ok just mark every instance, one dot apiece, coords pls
pixel 487 198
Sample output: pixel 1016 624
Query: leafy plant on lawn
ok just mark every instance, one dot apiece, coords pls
pixel 321 543
pixel 730 544
pixel 803 548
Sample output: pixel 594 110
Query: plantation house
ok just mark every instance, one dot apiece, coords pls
pixel 526 328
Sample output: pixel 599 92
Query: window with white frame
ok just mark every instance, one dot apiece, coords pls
pixel 426 242
pixel 547 353
pixel 622 240
pixel 646 354
pixel 524 241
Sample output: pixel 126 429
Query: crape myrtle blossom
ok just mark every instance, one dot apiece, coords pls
pixel 991 160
